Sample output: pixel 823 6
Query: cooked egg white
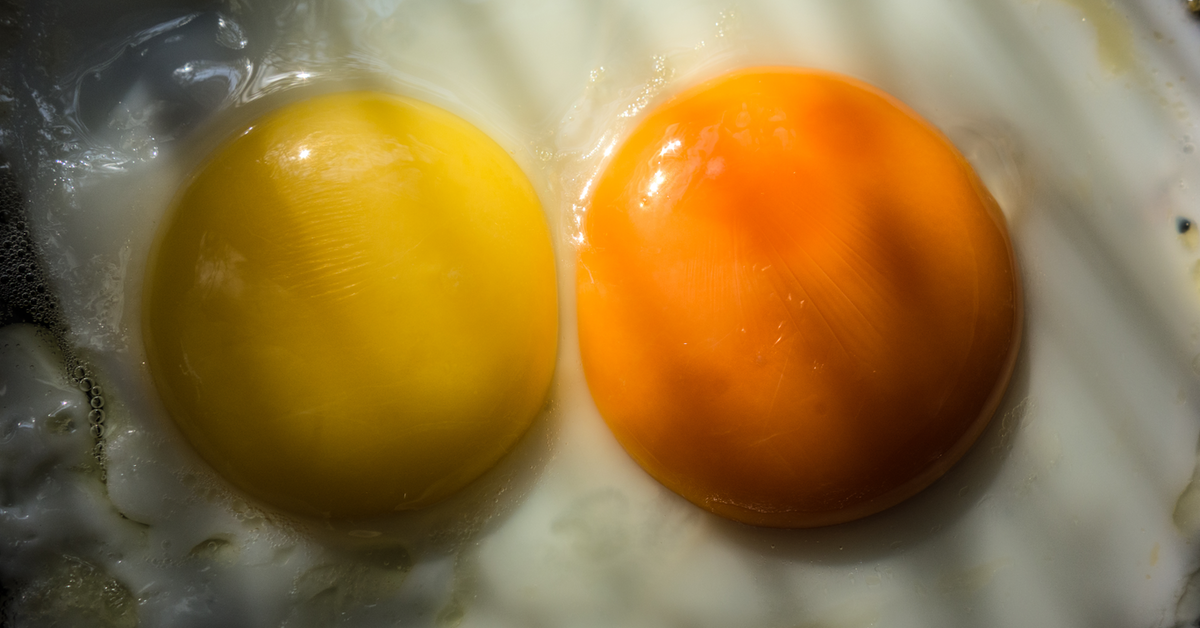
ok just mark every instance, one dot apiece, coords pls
pixel 1075 507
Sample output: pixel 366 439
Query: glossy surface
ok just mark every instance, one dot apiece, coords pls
pixel 798 305
pixel 352 309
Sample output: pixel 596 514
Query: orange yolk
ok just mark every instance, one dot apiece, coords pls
pixel 798 305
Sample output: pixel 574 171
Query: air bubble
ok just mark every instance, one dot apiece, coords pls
pixel 80 372
pixel 96 415
pixel 134 96
pixel 230 34
pixel 97 430
pixel 86 384
pixel 97 402
pixel 211 83
pixel 69 591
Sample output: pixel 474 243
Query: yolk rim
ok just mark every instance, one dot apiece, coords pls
pixel 797 303
pixel 352 307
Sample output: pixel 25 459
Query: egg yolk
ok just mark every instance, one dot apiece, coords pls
pixel 352 307
pixel 798 305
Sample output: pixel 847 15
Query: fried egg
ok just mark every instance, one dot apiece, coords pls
pixel 351 309
pixel 775 218
pixel 1076 506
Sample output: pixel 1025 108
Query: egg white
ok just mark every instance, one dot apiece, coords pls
pixel 1075 508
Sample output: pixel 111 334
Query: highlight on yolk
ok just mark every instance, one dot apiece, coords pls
pixel 352 307
pixel 798 305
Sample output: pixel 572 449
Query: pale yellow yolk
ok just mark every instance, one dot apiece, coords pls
pixel 351 308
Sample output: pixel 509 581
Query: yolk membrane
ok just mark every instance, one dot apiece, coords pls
pixel 797 303
pixel 351 308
